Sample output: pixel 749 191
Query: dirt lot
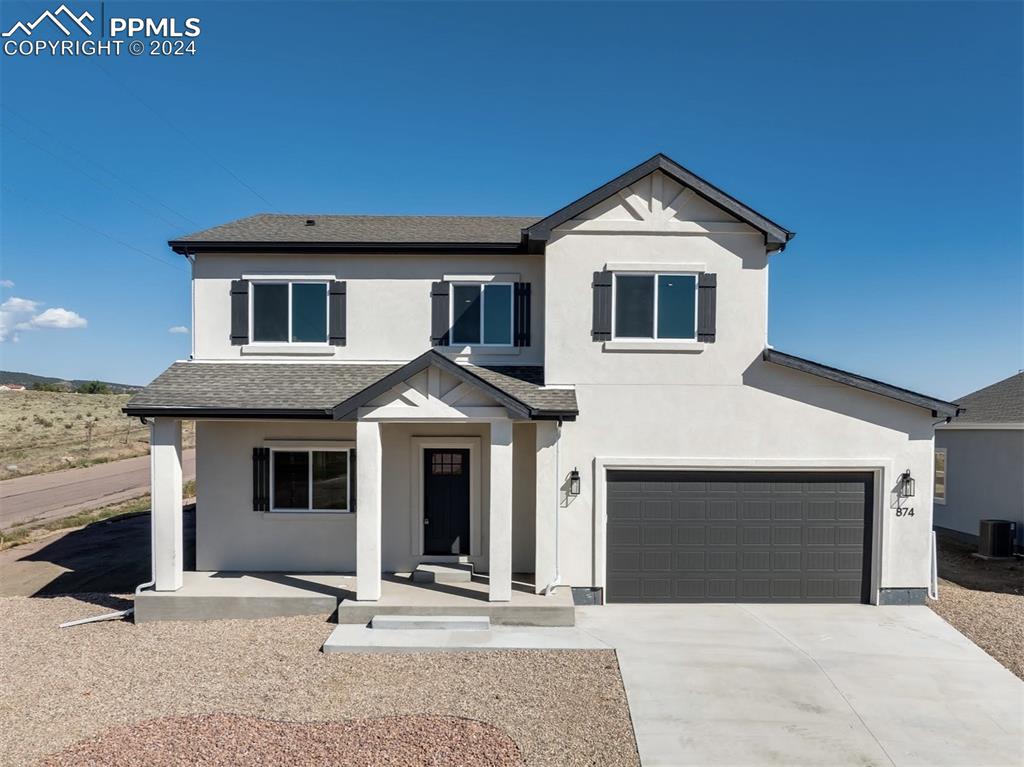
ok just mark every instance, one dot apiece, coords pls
pixel 61 686
pixel 46 431
pixel 983 600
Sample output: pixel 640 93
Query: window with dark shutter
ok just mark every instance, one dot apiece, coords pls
pixel 338 306
pixel 439 298
pixel 261 479
pixel 602 325
pixel 239 312
pixel 707 287
pixel 521 319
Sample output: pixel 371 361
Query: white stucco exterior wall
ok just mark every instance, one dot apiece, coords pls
pixel 719 404
pixel 388 302
pixel 231 536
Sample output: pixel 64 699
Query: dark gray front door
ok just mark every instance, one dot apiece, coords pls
pixel 445 501
pixel 738 536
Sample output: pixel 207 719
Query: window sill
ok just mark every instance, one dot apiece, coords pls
pixel 683 347
pixel 309 512
pixel 480 350
pixel 288 350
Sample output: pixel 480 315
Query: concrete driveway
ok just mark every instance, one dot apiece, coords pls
pixel 809 685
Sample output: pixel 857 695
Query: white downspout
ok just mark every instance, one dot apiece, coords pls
pixel 556 581
pixel 933 586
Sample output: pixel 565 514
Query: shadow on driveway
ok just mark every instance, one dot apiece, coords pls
pixel 107 557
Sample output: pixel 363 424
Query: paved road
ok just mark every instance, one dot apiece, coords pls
pixel 61 493
pixel 808 685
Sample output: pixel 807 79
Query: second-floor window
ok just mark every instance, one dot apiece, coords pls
pixel 288 312
pixel 482 314
pixel 655 306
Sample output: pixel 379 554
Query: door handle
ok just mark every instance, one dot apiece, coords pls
pixel 426 521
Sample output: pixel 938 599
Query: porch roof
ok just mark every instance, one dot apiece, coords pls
pixel 325 390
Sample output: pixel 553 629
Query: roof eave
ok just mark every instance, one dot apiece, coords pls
pixel 144 411
pixel 938 407
pixel 188 247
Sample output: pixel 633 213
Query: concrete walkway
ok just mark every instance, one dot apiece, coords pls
pixel 41 497
pixel 809 685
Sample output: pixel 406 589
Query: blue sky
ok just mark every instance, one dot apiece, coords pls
pixel 888 135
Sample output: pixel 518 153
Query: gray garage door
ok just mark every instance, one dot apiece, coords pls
pixel 738 536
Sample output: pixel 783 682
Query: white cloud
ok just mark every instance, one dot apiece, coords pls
pixel 6 283
pixel 12 312
pixel 20 314
pixel 58 318
pixel 177 329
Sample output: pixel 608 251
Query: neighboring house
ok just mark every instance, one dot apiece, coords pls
pixel 12 387
pixel 979 460
pixel 587 398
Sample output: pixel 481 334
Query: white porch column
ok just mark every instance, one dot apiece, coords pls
pixel 368 514
pixel 500 528
pixel 165 494
pixel 548 504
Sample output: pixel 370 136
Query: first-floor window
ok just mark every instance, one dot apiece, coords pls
pixel 310 480
pixel 939 492
pixel 655 306
pixel 482 313
pixel 289 312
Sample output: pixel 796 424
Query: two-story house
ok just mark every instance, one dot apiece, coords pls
pixel 587 398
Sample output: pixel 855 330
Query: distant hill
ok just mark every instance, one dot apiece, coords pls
pixel 11 377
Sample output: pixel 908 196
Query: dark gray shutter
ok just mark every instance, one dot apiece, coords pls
pixel 439 303
pixel 707 285
pixel 239 312
pixel 521 321
pixel 336 309
pixel 261 479
pixel 602 330
pixel 352 479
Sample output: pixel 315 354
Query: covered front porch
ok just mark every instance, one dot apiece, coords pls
pixel 214 595
pixel 429 464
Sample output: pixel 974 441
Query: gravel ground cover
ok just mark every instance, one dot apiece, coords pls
pixel 983 600
pixel 61 686
pixel 229 739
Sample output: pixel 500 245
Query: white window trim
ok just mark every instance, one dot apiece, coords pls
pixel 655 338
pixel 310 449
pixel 483 330
pixel 941 500
pixel 290 282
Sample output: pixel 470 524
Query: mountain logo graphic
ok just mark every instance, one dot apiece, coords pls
pixel 63 12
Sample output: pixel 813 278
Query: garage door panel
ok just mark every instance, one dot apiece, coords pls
pixel 737 536
pixel 723 510
pixel 787 510
pixel 656 510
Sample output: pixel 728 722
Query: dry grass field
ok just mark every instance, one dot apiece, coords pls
pixel 47 431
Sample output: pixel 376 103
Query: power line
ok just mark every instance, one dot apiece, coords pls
pixel 78 152
pixel 182 133
pixel 93 229
pixel 88 175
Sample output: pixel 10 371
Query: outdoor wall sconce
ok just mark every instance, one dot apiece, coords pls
pixel 905 488
pixel 574 482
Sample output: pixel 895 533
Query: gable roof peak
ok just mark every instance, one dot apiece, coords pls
pixel 775 235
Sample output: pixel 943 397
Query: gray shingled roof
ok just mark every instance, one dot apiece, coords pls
pixel 306 390
pixel 1002 402
pixel 276 227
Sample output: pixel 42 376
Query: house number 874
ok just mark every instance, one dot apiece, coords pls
pixel 904 512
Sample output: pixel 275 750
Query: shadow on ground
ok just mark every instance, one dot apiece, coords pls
pixel 958 564
pixel 111 556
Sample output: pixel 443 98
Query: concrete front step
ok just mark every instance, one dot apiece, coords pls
pixel 432 622
pixel 348 638
pixel 442 573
